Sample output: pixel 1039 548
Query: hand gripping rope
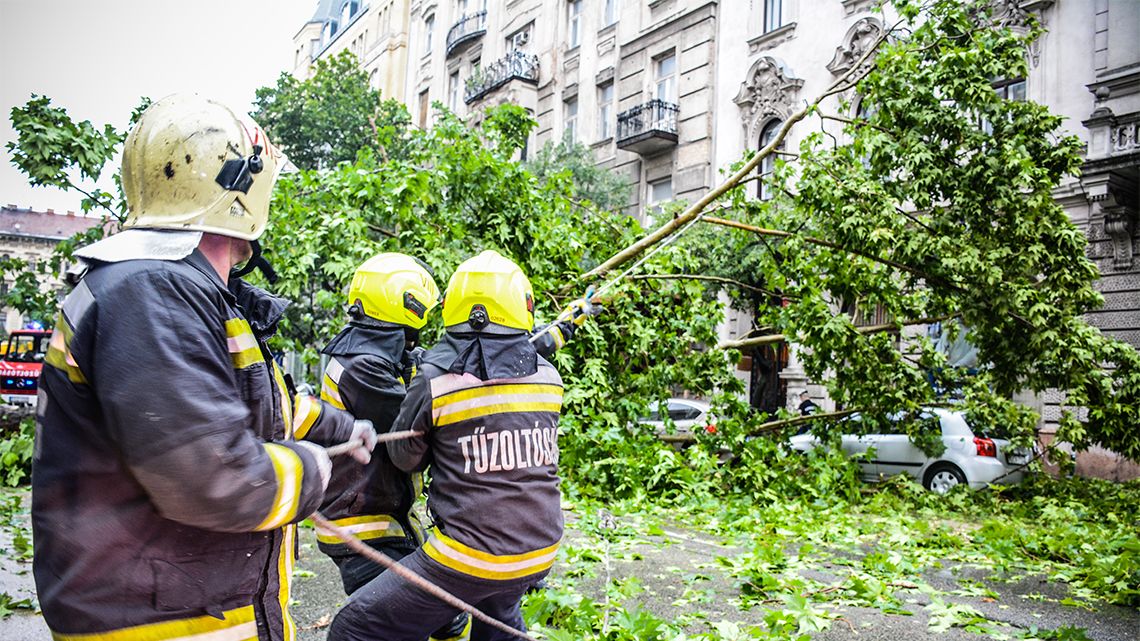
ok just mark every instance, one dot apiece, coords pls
pixel 376 556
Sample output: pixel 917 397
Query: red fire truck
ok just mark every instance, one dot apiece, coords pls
pixel 21 363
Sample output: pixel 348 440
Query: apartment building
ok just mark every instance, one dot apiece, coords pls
pixel 376 32
pixel 670 92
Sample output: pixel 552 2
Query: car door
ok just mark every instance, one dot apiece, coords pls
pixel 896 454
pixel 683 415
pixel 857 445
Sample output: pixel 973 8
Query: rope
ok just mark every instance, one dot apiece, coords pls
pixel 384 560
pixel 348 446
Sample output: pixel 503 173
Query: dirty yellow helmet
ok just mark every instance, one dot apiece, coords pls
pixel 394 288
pixel 193 164
pixel 488 293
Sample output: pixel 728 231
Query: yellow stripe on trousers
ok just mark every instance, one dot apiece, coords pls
pixel 237 625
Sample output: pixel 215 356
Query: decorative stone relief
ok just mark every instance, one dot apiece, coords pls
pixel 859 38
pixel 1125 138
pixel 1114 204
pixel 1118 225
pixel 768 91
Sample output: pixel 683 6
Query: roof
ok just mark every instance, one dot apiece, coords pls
pixel 325 10
pixel 46 225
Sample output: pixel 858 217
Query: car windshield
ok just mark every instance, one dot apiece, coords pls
pixel 25 348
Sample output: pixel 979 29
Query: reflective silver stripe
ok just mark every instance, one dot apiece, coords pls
pixel 77 303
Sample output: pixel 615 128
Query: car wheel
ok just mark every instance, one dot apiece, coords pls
pixel 941 477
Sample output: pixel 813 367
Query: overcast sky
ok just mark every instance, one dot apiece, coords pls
pixel 97 57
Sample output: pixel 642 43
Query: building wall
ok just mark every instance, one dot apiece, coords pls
pixel 737 71
pixel 376 32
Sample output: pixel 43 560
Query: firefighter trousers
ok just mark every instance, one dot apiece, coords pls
pixel 390 609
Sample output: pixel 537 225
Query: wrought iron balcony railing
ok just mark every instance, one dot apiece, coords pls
pixel 516 65
pixel 469 27
pixel 648 127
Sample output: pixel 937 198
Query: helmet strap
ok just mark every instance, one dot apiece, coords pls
pixel 256 261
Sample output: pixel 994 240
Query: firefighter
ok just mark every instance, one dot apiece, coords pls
pixel 370 362
pixel 487 405
pixel 167 473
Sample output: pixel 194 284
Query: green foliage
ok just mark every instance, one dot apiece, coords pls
pixel 575 161
pixel 939 205
pixel 327 118
pixel 16 453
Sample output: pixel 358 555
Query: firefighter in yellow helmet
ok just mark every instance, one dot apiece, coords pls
pixel 370 362
pixel 168 468
pixel 486 404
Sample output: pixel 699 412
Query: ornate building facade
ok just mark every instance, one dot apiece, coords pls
pixel 669 92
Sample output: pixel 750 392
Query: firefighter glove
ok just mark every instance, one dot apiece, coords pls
pixel 363 431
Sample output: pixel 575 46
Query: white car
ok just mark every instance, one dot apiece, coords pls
pixel 969 458
pixel 687 414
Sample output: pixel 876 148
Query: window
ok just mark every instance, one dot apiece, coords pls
pixel 571 130
pixel 605 110
pixel 660 191
pixel 768 165
pixel 1012 89
pixel 773 10
pixel 429 28
pixel 373 79
pixel 665 72
pixel 574 25
pixel 424 104
pixel 453 91
pixel 518 40
pixel 609 12
pixel 347 11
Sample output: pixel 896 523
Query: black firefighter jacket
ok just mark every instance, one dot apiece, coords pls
pixel 488 410
pixel 165 476
pixel 374 502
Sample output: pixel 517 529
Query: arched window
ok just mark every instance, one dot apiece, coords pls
pixel 768 165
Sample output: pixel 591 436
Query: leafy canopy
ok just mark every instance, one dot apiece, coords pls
pixel 325 119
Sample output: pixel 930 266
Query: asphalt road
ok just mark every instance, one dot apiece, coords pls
pixel 674 567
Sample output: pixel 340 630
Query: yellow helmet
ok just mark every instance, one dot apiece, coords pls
pixel 192 164
pixel 394 288
pixel 489 289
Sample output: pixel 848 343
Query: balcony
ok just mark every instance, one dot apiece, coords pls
pixel 648 128
pixel 516 65
pixel 470 27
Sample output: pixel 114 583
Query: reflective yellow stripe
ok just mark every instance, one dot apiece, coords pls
pixel 496 399
pixel 288 469
pixel 495 390
pixel 286 403
pixel 285 561
pixel 306 415
pixel 237 625
pixel 242 344
pixel 498 408
pixel 453 554
pixel 59 351
pixel 367 527
pixel 330 393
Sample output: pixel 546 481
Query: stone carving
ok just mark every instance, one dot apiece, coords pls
pixel 859 38
pixel 1119 221
pixel 768 91
pixel 1124 138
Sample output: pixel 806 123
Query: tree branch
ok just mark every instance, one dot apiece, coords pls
pixel 694 210
pixel 866 329
pixel 714 279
